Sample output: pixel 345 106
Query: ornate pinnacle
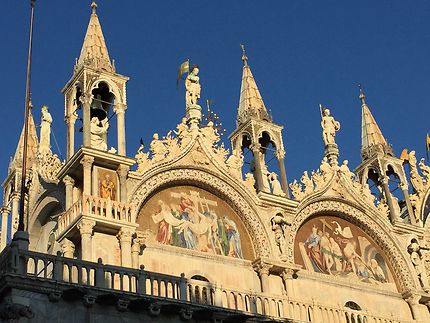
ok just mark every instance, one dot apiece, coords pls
pixel 244 57
pixel 361 96
pixel 94 7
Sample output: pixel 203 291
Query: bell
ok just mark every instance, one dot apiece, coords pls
pixel 97 109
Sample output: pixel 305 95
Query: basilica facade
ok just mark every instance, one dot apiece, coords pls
pixel 187 229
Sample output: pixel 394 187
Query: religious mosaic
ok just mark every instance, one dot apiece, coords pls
pixel 333 246
pixel 191 218
pixel 107 183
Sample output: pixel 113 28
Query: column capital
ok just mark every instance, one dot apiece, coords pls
pixel 68 180
pixel 122 171
pixel 67 246
pixel 125 235
pixel 255 147
pixel 71 118
pixel 119 108
pixel 280 153
pixel 261 268
pixel 86 98
pixel 384 179
pixel 87 161
pixel 5 210
pixel 412 298
pixel 86 226
pixel 403 186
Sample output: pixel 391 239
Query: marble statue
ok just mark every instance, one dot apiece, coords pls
pixel 210 134
pixel 296 190
pixel 307 183
pixel 416 179
pixel 45 131
pixel 158 148
pixel 329 126
pixel 325 168
pixel 345 170
pixel 383 207
pixel 276 185
pixel 250 181
pixel 425 170
pixel 278 223
pixel 414 250
pixel 234 164
pixel 98 133
pixel 142 159
pixel 318 179
pixel 192 86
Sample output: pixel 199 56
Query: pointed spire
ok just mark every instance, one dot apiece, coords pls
pixel 372 138
pixel 94 52
pixel 250 102
pixel 32 143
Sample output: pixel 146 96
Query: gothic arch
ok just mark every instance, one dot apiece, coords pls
pixel 377 230
pixel 113 88
pixel 205 180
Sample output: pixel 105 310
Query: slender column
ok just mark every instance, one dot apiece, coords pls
pixel 280 154
pixel 15 213
pixel 70 121
pixel 287 277
pixel 85 228
pixel 86 100
pixel 257 164
pixel 122 174
pixel 138 244
pixel 87 163
pixel 68 248
pixel 394 217
pixel 263 272
pixel 414 303
pixel 120 125
pixel 4 217
pixel 404 188
pixel 124 237
pixel 69 182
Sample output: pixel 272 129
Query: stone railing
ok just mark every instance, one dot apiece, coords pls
pixel 139 282
pixel 99 209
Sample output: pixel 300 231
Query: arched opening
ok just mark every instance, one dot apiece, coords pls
pixel 353 305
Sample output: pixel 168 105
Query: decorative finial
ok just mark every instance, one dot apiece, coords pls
pixel 244 57
pixel 361 96
pixel 94 7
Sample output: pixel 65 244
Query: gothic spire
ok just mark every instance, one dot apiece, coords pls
pixel 372 138
pixel 32 143
pixel 250 102
pixel 94 52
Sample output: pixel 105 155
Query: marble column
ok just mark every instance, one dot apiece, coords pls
pixel 122 174
pixel 394 216
pixel 136 247
pixel 69 182
pixel 257 164
pixel 70 121
pixel 280 154
pixel 4 228
pixel 263 273
pixel 87 163
pixel 86 100
pixel 287 277
pixel 404 187
pixel 119 109
pixel 68 248
pixel 414 303
pixel 85 228
pixel 124 236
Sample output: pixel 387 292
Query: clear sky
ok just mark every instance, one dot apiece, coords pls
pixel 302 53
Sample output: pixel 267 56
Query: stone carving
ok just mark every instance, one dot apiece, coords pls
pixel 373 226
pixel 425 170
pixel 98 133
pixel 344 169
pixel 329 126
pixel 325 169
pixel 45 131
pixel 240 201
pixel 420 184
pixel 276 185
pixel 48 166
pixel 278 226
pixel 234 164
pixel 296 190
pixel 13 312
pixel 383 207
pixel 210 134
pixel 142 159
pixel 416 180
pixel 414 250
pixel 250 182
pixel 318 180
pixel 158 148
pixel 307 183
pixel 183 133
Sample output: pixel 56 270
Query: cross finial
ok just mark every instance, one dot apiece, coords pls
pixel 361 96
pixel 244 57
pixel 94 7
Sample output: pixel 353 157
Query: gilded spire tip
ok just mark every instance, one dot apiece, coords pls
pixel 244 57
pixel 94 7
pixel 361 96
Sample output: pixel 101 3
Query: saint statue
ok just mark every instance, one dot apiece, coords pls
pixel 98 133
pixel 45 131
pixel 329 126
pixel 107 188
pixel 192 86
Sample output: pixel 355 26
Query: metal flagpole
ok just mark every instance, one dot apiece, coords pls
pixel 21 226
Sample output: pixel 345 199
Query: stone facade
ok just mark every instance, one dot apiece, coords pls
pixel 183 231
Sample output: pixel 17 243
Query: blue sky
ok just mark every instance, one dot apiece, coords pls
pixel 302 53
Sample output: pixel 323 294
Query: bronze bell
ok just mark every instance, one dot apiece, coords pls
pixel 97 109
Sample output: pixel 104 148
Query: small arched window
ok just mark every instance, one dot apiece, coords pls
pixel 353 305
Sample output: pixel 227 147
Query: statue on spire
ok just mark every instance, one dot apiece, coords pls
pixel 192 96
pixel 329 126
